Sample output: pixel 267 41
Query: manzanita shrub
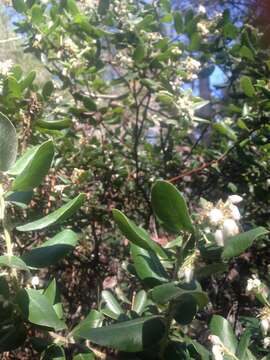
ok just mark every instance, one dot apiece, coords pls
pixel 156 323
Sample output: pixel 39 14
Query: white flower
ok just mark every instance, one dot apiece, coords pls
pixel 266 342
pixel 219 238
pixel 217 352
pixel 230 228
pixel 215 216
pixel 5 66
pixel 253 284
pixel 201 9
pixel 202 27
pixel 235 212
pixel 35 281
pixel 188 273
pixel 235 199
pixel 265 325
pixel 215 340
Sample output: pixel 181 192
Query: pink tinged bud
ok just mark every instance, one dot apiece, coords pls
pixel 265 326
pixel 188 273
pixel 230 228
pixel 235 199
pixel 235 212
pixel 219 238
pixel 215 340
pixel 215 215
pixel 217 352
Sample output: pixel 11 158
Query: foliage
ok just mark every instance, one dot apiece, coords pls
pixel 117 115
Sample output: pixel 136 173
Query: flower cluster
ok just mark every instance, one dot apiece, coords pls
pixel 253 284
pixel 5 67
pixel 265 320
pixel 187 269
pixel 185 106
pixel 223 217
pixel 191 67
pixel 203 28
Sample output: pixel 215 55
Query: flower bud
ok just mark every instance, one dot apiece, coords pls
pixel 35 281
pixel 188 273
pixel 265 326
pixel 230 228
pixel 235 199
pixel 219 237
pixel 235 212
pixel 217 352
pixel 215 340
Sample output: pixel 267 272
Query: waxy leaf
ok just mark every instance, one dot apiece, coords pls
pixel 54 352
pixel 54 125
pixel 52 250
pixel 185 309
pixel 129 336
pixel 135 234
pixel 13 262
pixel 93 320
pixel 148 266
pixel 56 217
pixel 8 143
pixel 222 328
pixel 140 302
pixel 237 244
pixel 170 207
pixel 178 22
pixel 172 292
pixel 36 308
pixel 35 169
pixel 246 86
pixel 111 302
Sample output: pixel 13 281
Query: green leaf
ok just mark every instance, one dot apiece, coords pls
pixel 164 293
pixel 36 308
pixel 230 30
pixel 93 320
pixel 224 129
pixel 129 336
pixel 47 90
pixel 246 86
pixel 148 266
pixel 8 143
pixel 243 345
pixel 12 336
pixel 170 207
pixel 56 217
pixel 135 234
pixel 52 250
pixel 13 262
pixel 139 53
pixel 52 294
pixel 19 5
pixel 178 22
pixel 185 309
pixel 111 302
pixel 237 244
pixel 36 15
pixel 54 124
pixel 211 269
pixel 140 302
pixel 35 168
pixel 222 328
pixel 246 53
pixel 20 198
pixel 27 82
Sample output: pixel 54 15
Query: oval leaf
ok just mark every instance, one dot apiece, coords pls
pixel 13 262
pixel 170 207
pixel 111 302
pixel 8 143
pixel 52 250
pixel 148 267
pixel 237 244
pixel 36 308
pixel 36 168
pixel 129 336
pixel 56 217
pixel 246 86
pixel 93 320
pixel 222 328
pixel 135 234
pixel 140 302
